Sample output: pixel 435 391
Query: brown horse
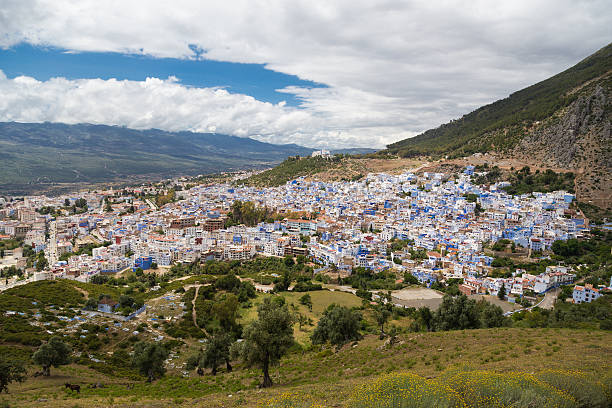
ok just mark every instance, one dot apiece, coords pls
pixel 73 387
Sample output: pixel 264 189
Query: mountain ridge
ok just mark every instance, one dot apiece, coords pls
pixel 43 153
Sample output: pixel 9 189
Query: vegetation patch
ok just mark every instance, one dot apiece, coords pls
pixel 292 168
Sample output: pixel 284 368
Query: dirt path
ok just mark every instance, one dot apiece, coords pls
pixel 193 310
pixel 83 291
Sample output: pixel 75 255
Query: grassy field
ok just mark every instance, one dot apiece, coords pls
pixel 330 377
pixel 321 299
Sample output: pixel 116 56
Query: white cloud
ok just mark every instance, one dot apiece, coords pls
pixel 394 68
pixel 166 104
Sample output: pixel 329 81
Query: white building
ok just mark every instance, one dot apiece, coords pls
pixel 585 294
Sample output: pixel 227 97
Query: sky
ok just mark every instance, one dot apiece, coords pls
pixel 331 74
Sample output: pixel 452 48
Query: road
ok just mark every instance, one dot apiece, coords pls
pixel 547 303
pixel 151 205
pixel 549 299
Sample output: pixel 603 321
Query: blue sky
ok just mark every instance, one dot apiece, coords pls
pixel 255 80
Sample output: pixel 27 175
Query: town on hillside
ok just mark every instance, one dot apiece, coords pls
pixel 436 227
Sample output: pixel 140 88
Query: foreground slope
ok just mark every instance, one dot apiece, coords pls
pixel 331 377
pixel 34 153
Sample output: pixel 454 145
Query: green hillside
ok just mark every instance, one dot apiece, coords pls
pixel 290 169
pixel 502 124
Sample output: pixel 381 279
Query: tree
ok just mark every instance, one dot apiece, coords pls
pixel 10 371
pixel 501 293
pixel 66 202
pixel 490 315
pixel 41 261
pixel 149 359
pixel 381 314
pixel 53 353
pixel 338 325
pixel 382 311
pixel 91 304
pixel 456 314
pixel 228 282
pixel 226 310
pixel 410 279
pixel 422 319
pixel 216 353
pixel 268 338
pixel 306 300
pixel 566 292
pixel 126 301
pixel 289 262
pixel 284 281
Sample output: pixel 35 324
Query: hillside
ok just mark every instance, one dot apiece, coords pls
pixel 337 168
pixel 562 122
pixel 34 154
pixel 331 378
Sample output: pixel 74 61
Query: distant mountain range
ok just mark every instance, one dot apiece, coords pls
pixel 35 154
pixel 563 122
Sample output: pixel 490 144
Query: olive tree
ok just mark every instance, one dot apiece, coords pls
pixel 53 353
pixel 216 352
pixel 338 325
pixel 268 338
pixel 149 359
pixel 10 371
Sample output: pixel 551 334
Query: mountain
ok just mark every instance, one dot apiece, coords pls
pixel 43 153
pixel 562 122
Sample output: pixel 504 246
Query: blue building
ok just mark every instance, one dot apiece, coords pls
pixel 143 263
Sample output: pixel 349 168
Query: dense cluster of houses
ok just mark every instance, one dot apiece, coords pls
pixel 446 219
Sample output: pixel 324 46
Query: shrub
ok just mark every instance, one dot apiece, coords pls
pixel 405 390
pixel 587 391
pixel 487 389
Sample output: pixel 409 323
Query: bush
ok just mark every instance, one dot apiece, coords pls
pixel 405 390
pixel 487 389
pixel 306 287
pixel 587 391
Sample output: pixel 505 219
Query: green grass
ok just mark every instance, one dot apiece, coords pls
pixel 330 378
pixel 291 169
pixel 321 299
pixel 56 292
